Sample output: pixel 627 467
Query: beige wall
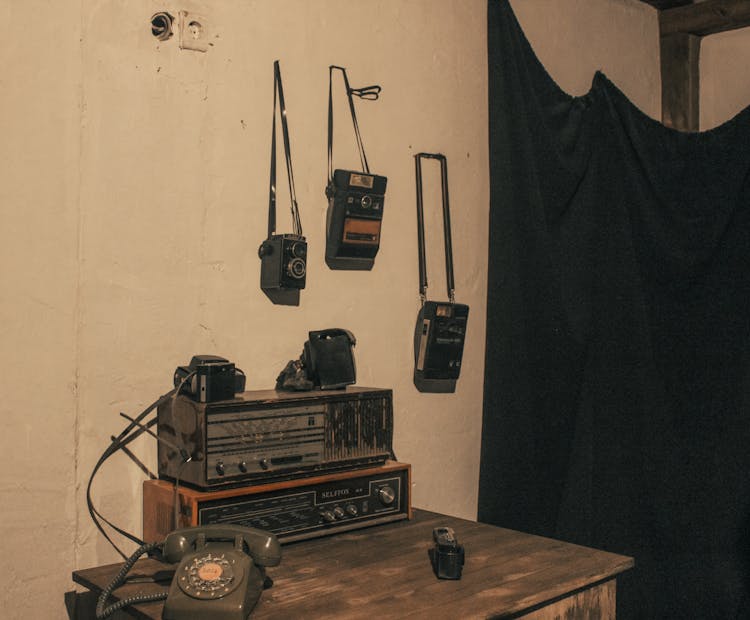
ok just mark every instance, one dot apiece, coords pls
pixel 724 88
pixel 134 199
pixel 575 38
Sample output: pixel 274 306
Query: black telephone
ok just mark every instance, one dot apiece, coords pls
pixel 220 577
pixel 221 571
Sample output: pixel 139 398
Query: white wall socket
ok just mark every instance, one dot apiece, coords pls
pixel 194 32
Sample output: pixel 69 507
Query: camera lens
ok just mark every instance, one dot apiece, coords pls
pixel 296 268
pixel 366 201
pixel 299 250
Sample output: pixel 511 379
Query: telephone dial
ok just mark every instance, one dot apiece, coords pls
pixel 220 576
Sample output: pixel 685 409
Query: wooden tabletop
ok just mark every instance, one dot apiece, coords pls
pixel 385 571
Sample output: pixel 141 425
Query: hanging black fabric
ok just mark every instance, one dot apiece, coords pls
pixel 617 388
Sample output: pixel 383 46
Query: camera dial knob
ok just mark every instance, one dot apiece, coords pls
pixel 386 495
pixel 265 249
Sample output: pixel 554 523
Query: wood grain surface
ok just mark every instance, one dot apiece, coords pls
pixel 385 571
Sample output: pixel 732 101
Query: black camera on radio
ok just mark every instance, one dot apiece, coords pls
pixel 209 378
pixel 353 220
pixel 283 262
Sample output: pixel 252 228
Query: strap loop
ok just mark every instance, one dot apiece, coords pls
pixel 296 222
pixel 446 226
pixel 370 93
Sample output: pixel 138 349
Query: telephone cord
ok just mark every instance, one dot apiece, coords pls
pixel 105 612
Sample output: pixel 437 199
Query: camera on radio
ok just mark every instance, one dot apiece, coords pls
pixel 283 262
pixel 209 378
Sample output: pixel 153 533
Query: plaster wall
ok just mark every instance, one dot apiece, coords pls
pixel 575 38
pixel 724 91
pixel 134 194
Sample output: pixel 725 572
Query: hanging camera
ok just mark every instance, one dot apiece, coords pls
pixel 283 267
pixel 440 330
pixel 355 198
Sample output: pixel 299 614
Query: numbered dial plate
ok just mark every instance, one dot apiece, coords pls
pixel 209 576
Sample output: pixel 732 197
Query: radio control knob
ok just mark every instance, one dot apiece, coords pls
pixel 243 467
pixel 338 512
pixel 263 463
pixel 220 468
pixel 351 510
pixel 328 516
pixel 387 495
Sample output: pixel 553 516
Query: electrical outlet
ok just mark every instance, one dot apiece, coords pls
pixel 193 32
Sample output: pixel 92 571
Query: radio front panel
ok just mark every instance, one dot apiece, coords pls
pixel 267 435
pixel 293 510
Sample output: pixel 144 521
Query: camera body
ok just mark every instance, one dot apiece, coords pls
pixel 353 219
pixel 209 378
pixel 439 337
pixel 447 555
pixel 283 262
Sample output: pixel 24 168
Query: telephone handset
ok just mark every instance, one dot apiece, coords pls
pixel 221 572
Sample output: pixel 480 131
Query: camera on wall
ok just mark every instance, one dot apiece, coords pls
pixel 283 262
pixel 283 266
pixel 355 214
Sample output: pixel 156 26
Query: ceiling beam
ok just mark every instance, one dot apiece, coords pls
pixel 680 81
pixel 708 17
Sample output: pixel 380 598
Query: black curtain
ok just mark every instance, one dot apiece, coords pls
pixel 617 387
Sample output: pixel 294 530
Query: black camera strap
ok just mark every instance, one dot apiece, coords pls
pixel 367 92
pixel 296 222
pixel 446 226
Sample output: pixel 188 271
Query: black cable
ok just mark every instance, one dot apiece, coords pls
pixel 104 612
pixel 131 432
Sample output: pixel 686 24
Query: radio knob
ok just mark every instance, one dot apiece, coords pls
pixel 387 495
pixel 351 509
pixel 338 512
pixel 263 463
pixel 243 467
pixel 220 468
pixel 328 516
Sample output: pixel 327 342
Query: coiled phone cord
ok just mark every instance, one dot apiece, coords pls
pixel 119 579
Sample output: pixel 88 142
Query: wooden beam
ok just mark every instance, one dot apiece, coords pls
pixel 680 94
pixel 704 18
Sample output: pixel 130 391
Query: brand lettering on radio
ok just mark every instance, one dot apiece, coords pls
pixel 334 493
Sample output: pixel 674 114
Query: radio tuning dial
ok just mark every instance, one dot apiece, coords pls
pixel 387 495
pixel 338 512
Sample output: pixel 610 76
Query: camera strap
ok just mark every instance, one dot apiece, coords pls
pixel 296 222
pixel 446 226
pixel 367 92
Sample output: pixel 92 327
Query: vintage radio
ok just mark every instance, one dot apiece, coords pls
pixel 265 435
pixel 292 510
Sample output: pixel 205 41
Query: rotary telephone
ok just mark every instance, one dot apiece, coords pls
pixel 221 571
pixel 220 576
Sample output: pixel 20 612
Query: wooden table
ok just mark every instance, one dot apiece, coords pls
pixel 384 572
